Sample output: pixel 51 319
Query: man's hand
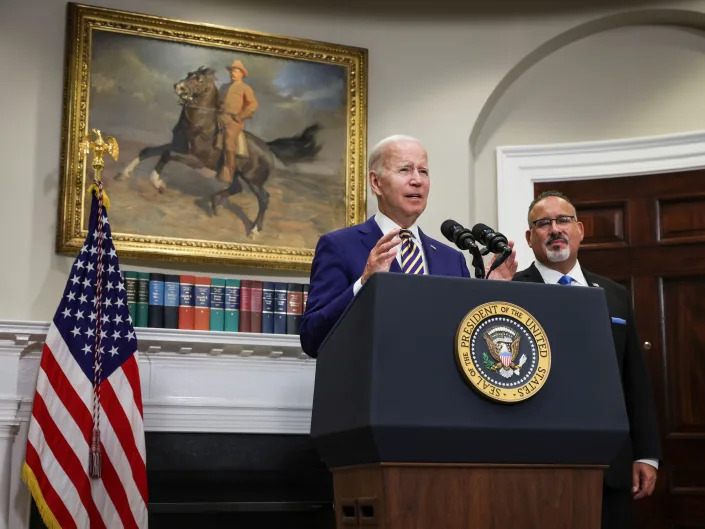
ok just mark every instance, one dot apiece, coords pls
pixel 382 255
pixel 507 269
pixel 643 480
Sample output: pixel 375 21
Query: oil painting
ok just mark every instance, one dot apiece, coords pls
pixel 235 146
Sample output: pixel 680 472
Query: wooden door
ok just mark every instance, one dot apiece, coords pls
pixel 648 233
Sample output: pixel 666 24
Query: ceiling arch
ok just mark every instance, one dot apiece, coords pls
pixel 667 17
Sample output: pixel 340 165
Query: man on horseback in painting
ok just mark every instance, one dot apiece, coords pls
pixel 209 133
pixel 238 105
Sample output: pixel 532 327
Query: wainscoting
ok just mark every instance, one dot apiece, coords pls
pixel 227 417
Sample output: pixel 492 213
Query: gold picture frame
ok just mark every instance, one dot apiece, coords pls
pixel 142 79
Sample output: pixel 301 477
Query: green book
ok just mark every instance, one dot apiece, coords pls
pixel 142 311
pixel 131 291
pixel 232 305
pixel 217 304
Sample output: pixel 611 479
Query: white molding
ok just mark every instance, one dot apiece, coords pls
pixel 203 417
pixel 9 428
pixel 10 348
pixel 192 381
pixel 196 381
pixel 519 167
pixel 153 340
pixel 9 417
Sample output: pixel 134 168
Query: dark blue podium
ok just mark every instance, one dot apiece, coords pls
pixel 412 445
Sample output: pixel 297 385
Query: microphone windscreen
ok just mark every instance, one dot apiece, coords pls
pixel 448 229
pixel 479 229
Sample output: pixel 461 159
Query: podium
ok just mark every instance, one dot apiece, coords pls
pixel 412 446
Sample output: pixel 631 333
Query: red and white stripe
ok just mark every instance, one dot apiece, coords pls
pixel 59 442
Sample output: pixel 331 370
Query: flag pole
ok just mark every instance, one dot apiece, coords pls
pixel 99 146
pixel 85 461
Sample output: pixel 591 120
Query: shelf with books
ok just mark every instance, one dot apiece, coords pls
pixel 152 340
pixel 172 301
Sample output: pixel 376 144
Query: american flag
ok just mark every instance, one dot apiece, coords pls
pixel 68 408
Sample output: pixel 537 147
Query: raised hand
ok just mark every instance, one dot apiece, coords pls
pixel 382 255
pixel 505 271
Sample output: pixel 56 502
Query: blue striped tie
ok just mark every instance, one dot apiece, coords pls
pixel 411 260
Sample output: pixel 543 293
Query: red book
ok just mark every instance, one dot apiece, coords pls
pixel 256 306
pixel 245 305
pixel 294 307
pixel 186 300
pixel 202 297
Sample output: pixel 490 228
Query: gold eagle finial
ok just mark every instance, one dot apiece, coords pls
pixel 99 146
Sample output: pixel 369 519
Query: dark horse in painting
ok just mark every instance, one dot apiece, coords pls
pixel 194 143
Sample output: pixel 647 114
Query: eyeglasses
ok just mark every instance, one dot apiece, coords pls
pixel 563 220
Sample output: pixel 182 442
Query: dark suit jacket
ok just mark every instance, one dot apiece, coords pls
pixel 638 397
pixel 338 263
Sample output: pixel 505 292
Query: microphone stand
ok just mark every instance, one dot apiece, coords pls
pixel 477 262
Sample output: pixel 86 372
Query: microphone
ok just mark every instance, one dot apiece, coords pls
pixel 490 239
pixel 455 233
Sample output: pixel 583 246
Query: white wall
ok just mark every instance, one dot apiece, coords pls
pixel 431 70
pixel 621 83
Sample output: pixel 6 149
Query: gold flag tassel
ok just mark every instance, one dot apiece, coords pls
pixel 93 188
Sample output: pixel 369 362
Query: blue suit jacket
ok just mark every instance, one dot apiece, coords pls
pixel 339 261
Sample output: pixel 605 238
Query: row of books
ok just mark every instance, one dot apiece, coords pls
pixel 213 303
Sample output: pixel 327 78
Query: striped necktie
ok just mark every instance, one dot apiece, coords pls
pixel 566 280
pixel 411 260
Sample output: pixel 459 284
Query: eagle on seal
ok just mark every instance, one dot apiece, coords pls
pixel 505 356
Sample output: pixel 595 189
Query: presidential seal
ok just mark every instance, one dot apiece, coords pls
pixel 503 352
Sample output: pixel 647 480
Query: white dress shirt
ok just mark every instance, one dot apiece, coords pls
pixel 386 225
pixel 552 276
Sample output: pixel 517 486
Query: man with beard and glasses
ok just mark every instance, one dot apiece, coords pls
pixel 554 235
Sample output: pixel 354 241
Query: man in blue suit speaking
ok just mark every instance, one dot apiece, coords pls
pixel 390 241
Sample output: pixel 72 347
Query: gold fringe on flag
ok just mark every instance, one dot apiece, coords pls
pixel 93 188
pixel 44 510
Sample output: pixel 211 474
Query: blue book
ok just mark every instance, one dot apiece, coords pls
pixel 155 314
pixel 171 301
pixel 268 307
pixel 280 308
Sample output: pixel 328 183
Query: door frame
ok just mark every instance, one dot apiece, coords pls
pixel 519 167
